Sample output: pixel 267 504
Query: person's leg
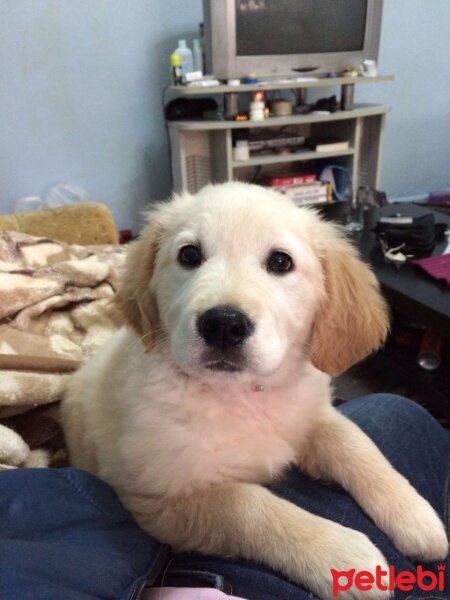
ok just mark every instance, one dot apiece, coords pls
pixel 416 445
pixel 419 448
pixel 65 535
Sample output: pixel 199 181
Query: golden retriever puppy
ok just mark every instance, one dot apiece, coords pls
pixel 240 306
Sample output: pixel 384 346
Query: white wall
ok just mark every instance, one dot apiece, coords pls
pixel 415 47
pixel 80 97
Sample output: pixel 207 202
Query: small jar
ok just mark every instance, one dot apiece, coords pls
pixel 241 150
pixel 281 108
pixel 257 111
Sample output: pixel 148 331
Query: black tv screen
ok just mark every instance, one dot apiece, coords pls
pixel 271 27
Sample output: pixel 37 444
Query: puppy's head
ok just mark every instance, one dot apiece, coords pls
pixel 237 281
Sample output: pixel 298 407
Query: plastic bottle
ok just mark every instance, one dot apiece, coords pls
pixel 175 69
pixel 257 110
pixel 187 64
pixel 63 194
pixel 197 56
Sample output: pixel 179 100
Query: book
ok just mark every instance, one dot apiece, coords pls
pixel 280 180
pixel 307 189
pixel 326 144
pixel 309 194
pixel 309 200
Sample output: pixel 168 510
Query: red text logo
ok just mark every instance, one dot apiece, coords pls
pixel 405 581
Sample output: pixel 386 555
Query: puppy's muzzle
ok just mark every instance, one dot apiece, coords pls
pixel 224 329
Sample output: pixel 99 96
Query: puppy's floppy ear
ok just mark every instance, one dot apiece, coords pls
pixel 353 320
pixel 133 295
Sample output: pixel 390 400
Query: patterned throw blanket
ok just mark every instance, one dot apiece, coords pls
pixel 55 311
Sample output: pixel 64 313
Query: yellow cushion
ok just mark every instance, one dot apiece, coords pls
pixel 83 223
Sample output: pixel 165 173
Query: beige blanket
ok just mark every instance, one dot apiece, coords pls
pixel 55 310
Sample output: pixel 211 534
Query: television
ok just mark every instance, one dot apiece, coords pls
pixel 288 38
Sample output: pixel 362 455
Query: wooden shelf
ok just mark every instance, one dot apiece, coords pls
pixel 360 110
pixel 276 84
pixel 300 155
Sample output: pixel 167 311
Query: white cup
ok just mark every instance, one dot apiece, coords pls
pixel 369 68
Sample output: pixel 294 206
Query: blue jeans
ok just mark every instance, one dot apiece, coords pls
pixel 416 445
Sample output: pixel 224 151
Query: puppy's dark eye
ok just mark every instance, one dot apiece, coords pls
pixel 190 257
pixel 279 262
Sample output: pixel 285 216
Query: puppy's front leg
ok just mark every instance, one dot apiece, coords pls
pixel 340 451
pixel 247 521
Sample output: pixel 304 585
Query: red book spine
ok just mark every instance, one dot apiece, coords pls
pixel 292 180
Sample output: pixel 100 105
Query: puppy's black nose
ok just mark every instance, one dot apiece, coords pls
pixel 224 327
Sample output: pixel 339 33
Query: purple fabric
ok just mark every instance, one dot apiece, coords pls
pixel 437 267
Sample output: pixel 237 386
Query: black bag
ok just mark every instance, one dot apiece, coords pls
pixel 417 234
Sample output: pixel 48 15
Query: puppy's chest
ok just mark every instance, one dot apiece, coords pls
pixel 246 439
pixel 199 442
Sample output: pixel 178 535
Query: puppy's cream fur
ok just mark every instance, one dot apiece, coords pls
pixel 187 448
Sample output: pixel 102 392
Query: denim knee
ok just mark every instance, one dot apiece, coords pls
pixel 390 410
pixel 409 437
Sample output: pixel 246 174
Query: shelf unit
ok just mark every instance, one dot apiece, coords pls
pixel 202 149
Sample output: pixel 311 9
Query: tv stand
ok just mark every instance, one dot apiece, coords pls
pixel 202 150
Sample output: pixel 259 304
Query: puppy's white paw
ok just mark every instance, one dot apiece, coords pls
pixel 13 450
pixel 418 532
pixel 348 553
